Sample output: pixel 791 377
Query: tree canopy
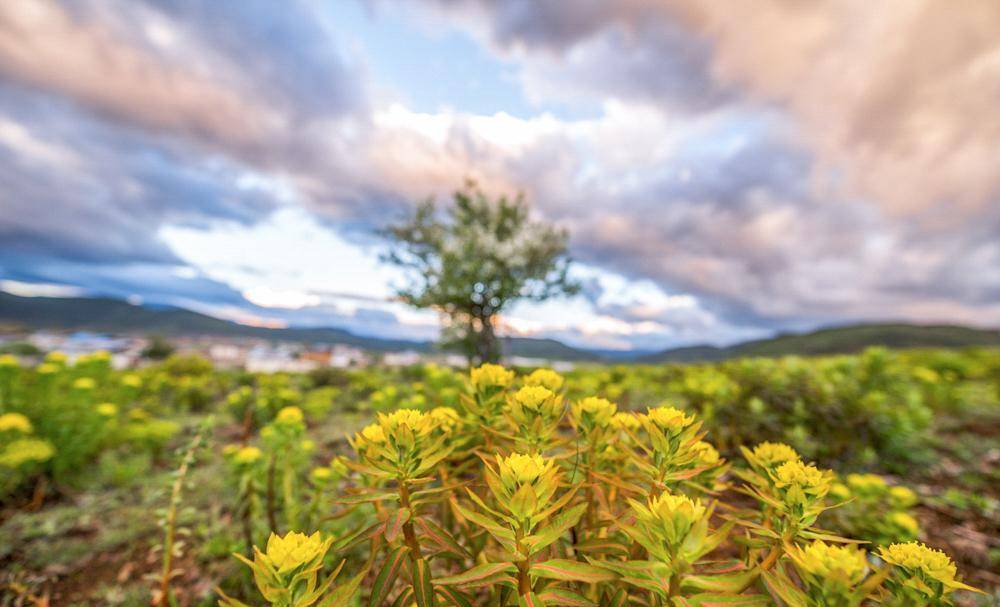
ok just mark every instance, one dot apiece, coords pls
pixel 473 258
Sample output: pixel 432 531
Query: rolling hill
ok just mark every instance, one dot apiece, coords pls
pixel 116 316
pixel 838 340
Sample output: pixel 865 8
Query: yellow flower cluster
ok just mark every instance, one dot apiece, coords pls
pixel 25 450
pixel 289 416
pixel 916 559
pixel 801 484
pixel 294 551
pixel 107 409
pixel 15 422
pixel 625 421
pixel 519 469
pixel 533 398
pixel 772 454
pixel 491 376
pixel 667 419
pixel 670 516
pixel 707 454
pixel 247 455
pixel 9 361
pixel 593 412
pixel 84 384
pixel 545 378
pixel 831 563
pixel 446 418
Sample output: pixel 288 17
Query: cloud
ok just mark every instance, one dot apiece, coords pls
pixel 754 168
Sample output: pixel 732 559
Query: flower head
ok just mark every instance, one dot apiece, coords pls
pixel 9 361
pixel 667 419
pixel 547 378
pixel 707 454
pixel 490 376
pixel 294 551
pixel 846 565
pixel 626 420
pixel 132 381
pixel 247 455
pixel 771 454
pixel 906 522
pixel 903 497
pixel 446 418
pixel 56 357
pixel 593 412
pixel 532 398
pixel 289 416
pixel 801 485
pixel 107 409
pixel 669 516
pixel 519 469
pixel 25 450
pixel 84 384
pixel 922 568
pixel 15 422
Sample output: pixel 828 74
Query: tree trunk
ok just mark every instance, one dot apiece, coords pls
pixel 487 345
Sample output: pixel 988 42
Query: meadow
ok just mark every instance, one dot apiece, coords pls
pixel 866 479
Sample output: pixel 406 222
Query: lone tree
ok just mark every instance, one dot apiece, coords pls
pixel 473 258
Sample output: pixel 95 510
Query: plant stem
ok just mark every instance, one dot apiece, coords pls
pixel 408 534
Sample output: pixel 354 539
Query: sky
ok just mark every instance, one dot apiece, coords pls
pixel 726 171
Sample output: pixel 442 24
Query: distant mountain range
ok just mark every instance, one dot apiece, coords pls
pixel 116 316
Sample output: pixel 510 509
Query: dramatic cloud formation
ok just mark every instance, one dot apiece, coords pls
pixel 725 170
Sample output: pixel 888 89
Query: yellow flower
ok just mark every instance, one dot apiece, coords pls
pixel 667 419
pixel 533 397
pixel 289 415
pixel 829 562
pixel 84 383
pixel 307 445
pixel 906 522
pixel 625 420
pixel 15 422
pixel 56 357
pixel 519 469
pixel 46 369
pixel 294 550
pixel 669 515
pixel 131 380
pixel 490 376
pixel 372 434
pixel 107 409
pixel 801 484
pixel 446 418
pixel 867 484
pixel 904 497
pixel 321 474
pixel 593 411
pixel 707 454
pixel 247 455
pixel 25 450
pixel 771 454
pixel 230 449
pixel 916 559
pixel 839 491
pixel 407 420
pixel 547 378
pixel 9 361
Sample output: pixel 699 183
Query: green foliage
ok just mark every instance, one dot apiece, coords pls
pixel 476 259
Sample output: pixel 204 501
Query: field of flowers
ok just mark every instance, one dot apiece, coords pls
pixel 852 480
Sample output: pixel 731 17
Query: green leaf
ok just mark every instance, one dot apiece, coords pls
pixel 570 571
pixel 565 598
pixel 781 587
pixel 394 524
pixel 386 576
pixel 423 590
pixel 444 540
pixel 361 536
pixel 729 600
pixel 454 596
pixel 618 599
pixel 730 582
pixel 478 576
pixel 343 595
pixel 530 600
pixel 602 545
pixel 555 530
